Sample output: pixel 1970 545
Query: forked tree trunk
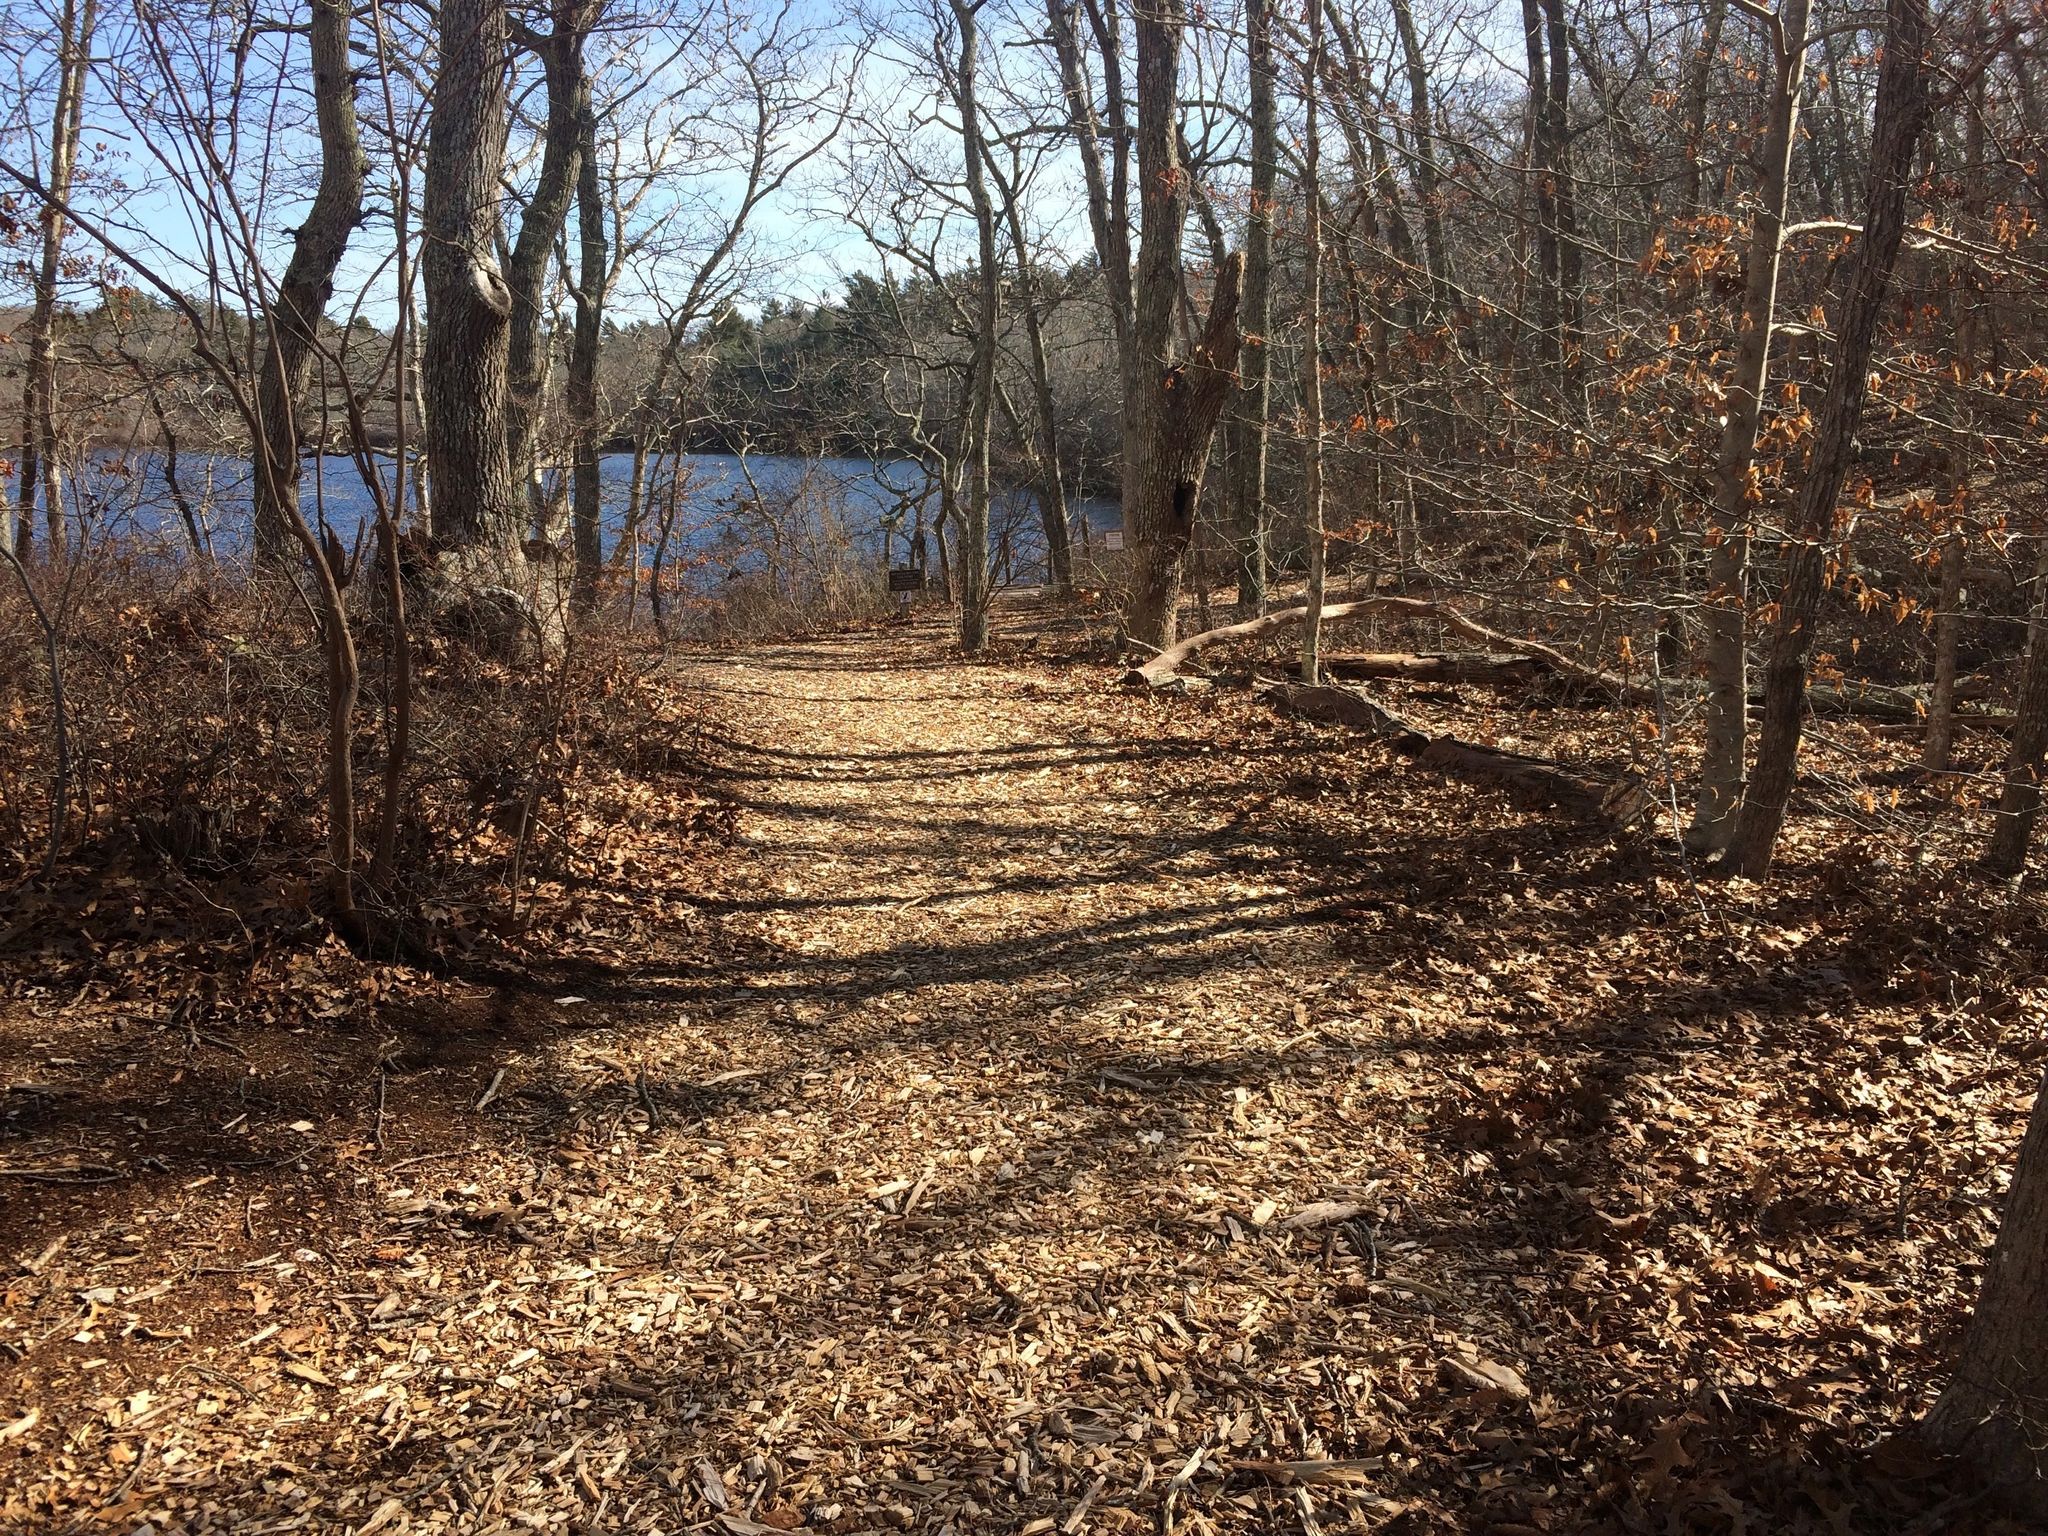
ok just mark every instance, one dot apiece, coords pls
pixel 42 469
pixel 469 307
pixel 286 367
pixel 1903 106
pixel 1992 1412
pixel 1735 487
pixel 1172 403
pixel 540 226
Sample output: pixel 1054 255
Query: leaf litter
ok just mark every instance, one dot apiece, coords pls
pixel 1052 1110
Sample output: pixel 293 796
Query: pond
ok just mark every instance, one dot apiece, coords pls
pixel 723 513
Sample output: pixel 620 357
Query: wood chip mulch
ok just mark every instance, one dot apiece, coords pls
pixel 1055 1110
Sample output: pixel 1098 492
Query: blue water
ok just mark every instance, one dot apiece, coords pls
pixel 730 514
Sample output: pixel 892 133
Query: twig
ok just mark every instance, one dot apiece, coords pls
pixel 427 1157
pixel 84 1173
pixel 647 1101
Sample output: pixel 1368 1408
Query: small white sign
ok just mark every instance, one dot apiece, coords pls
pixel 1113 539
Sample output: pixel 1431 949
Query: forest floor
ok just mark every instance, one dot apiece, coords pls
pixel 1053 1109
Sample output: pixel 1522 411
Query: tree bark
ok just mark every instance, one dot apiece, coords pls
pixel 476 504
pixel 1435 667
pixel 1954 544
pixel 1699 79
pixel 1312 353
pixel 1735 486
pixel 1172 402
pixel 1428 176
pixel 979 413
pixel 1249 431
pixel 546 213
pixel 1903 107
pixel 286 367
pixel 1543 183
pixel 1107 185
pixel 2019 802
pixel 42 470
pixel 1992 1411
pixel 1051 477
pixel 593 277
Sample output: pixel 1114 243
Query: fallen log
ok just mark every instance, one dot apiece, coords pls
pixel 1162 670
pixel 1989 724
pixel 1606 802
pixel 1343 706
pixel 1435 667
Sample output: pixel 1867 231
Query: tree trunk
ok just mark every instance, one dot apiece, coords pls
pixel 1955 542
pixel 1249 430
pixel 547 211
pixel 1312 353
pixel 41 463
pixel 1172 403
pixel 1903 106
pixel 1991 1413
pixel 1936 750
pixel 1051 477
pixel 1699 81
pixel 978 416
pixel 286 367
pixel 1108 186
pixel 2019 803
pixel 1543 182
pixel 1735 489
pixel 592 279
pixel 476 504
pixel 1563 207
pixel 1422 139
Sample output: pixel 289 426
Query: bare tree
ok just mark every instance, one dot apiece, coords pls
pixel 1952 542
pixel 1735 490
pixel 1312 349
pixel 978 416
pixel 1903 106
pixel 41 460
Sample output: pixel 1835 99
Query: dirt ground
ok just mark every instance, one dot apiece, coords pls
pixel 1055 1109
